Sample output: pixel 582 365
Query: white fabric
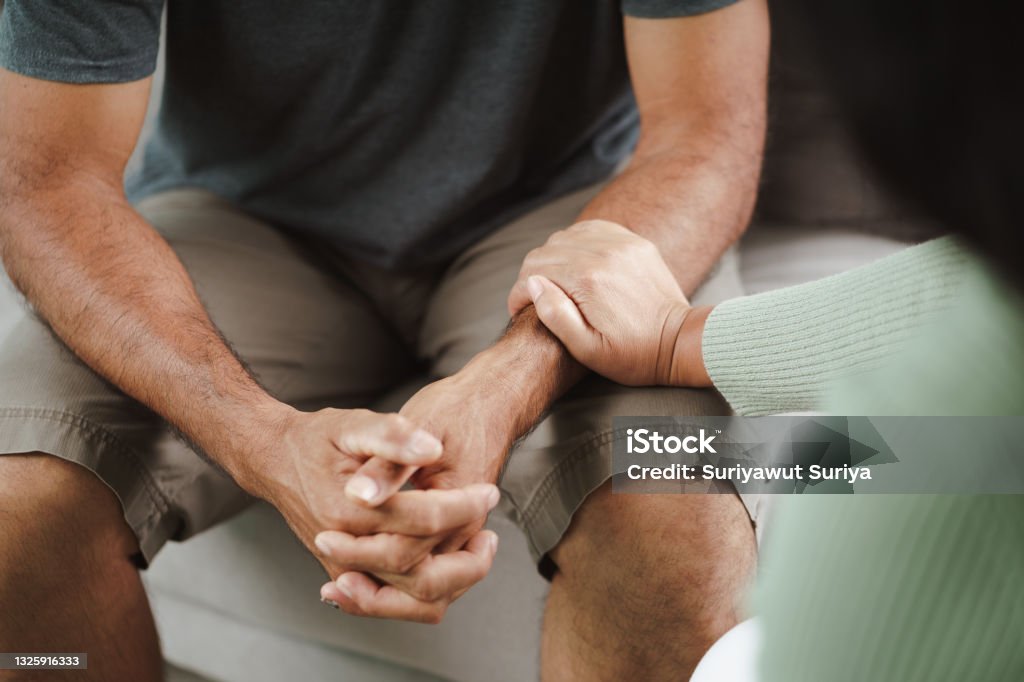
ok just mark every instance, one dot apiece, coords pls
pixel 733 658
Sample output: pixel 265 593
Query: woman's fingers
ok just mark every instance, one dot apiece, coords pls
pixel 554 263
pixel 568 254
pixel 566 277
pixel 560 315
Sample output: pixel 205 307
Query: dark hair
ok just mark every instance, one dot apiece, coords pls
pixel 933 95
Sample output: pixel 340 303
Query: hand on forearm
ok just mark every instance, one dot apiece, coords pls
pixel 700 87
pixel 531 365
pixel 607 294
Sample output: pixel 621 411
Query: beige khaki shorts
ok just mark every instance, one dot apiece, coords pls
pixel 321 330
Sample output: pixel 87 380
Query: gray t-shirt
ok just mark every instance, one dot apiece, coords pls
pixel 399 131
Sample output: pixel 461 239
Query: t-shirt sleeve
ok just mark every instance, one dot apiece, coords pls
pixel 664 9
pixel 80 41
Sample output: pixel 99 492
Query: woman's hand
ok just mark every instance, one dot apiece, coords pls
pixel 606 293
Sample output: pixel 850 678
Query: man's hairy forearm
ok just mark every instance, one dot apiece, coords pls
pixel 691 193
pixel 693 205
pixel 540 368
pixel 700 85
pixel 113 290
pixel 522 374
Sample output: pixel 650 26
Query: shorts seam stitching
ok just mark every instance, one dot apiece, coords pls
pixel 581 451
pixel 97 431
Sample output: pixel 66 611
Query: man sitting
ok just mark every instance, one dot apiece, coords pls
pixel 335 197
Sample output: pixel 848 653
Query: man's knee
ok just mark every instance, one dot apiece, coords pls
pixel 55 512
pixel 690 554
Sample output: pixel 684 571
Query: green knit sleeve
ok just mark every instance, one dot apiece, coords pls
pixel 780 351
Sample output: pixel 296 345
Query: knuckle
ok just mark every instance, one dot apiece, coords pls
pixel 333 515
pixel 427 588
pixel 432 520
pixel 359 415
pixel 480 571
pixel 546 309
pixel 519 288
pixel 475 505
pixel 352 609
pixel 597 226
pixel 397 426
pixel 336 520
pixel 403 558
pixel 397 564
pixel 331 568
pixel 434 616
pixel 397 430
pixel 560 236
pixel 645 246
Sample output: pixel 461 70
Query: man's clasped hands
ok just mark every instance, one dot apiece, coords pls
pixel 407 552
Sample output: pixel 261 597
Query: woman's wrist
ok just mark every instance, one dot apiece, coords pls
pixel 688 355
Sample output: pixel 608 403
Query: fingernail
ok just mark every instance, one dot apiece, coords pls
pixel 534 286
pixel 493 498
pixel 494 543
pixel 424 444
pixel 333 604
pixel 343 585
pixel 322 544
pixel 363 488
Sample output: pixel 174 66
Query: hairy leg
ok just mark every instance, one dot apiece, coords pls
pixel 645 585
pixel 67 583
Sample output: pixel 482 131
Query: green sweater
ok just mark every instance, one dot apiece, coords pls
pixel 886 587
pixel 781 350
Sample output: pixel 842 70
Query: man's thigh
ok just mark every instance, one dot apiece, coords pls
pixel 308 336
pixel 568 455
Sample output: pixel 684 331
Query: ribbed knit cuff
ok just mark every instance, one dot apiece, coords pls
pixel 779 351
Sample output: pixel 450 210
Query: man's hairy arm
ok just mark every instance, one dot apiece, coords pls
pixel 104 280
pixel 700 84
pixel 116 293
